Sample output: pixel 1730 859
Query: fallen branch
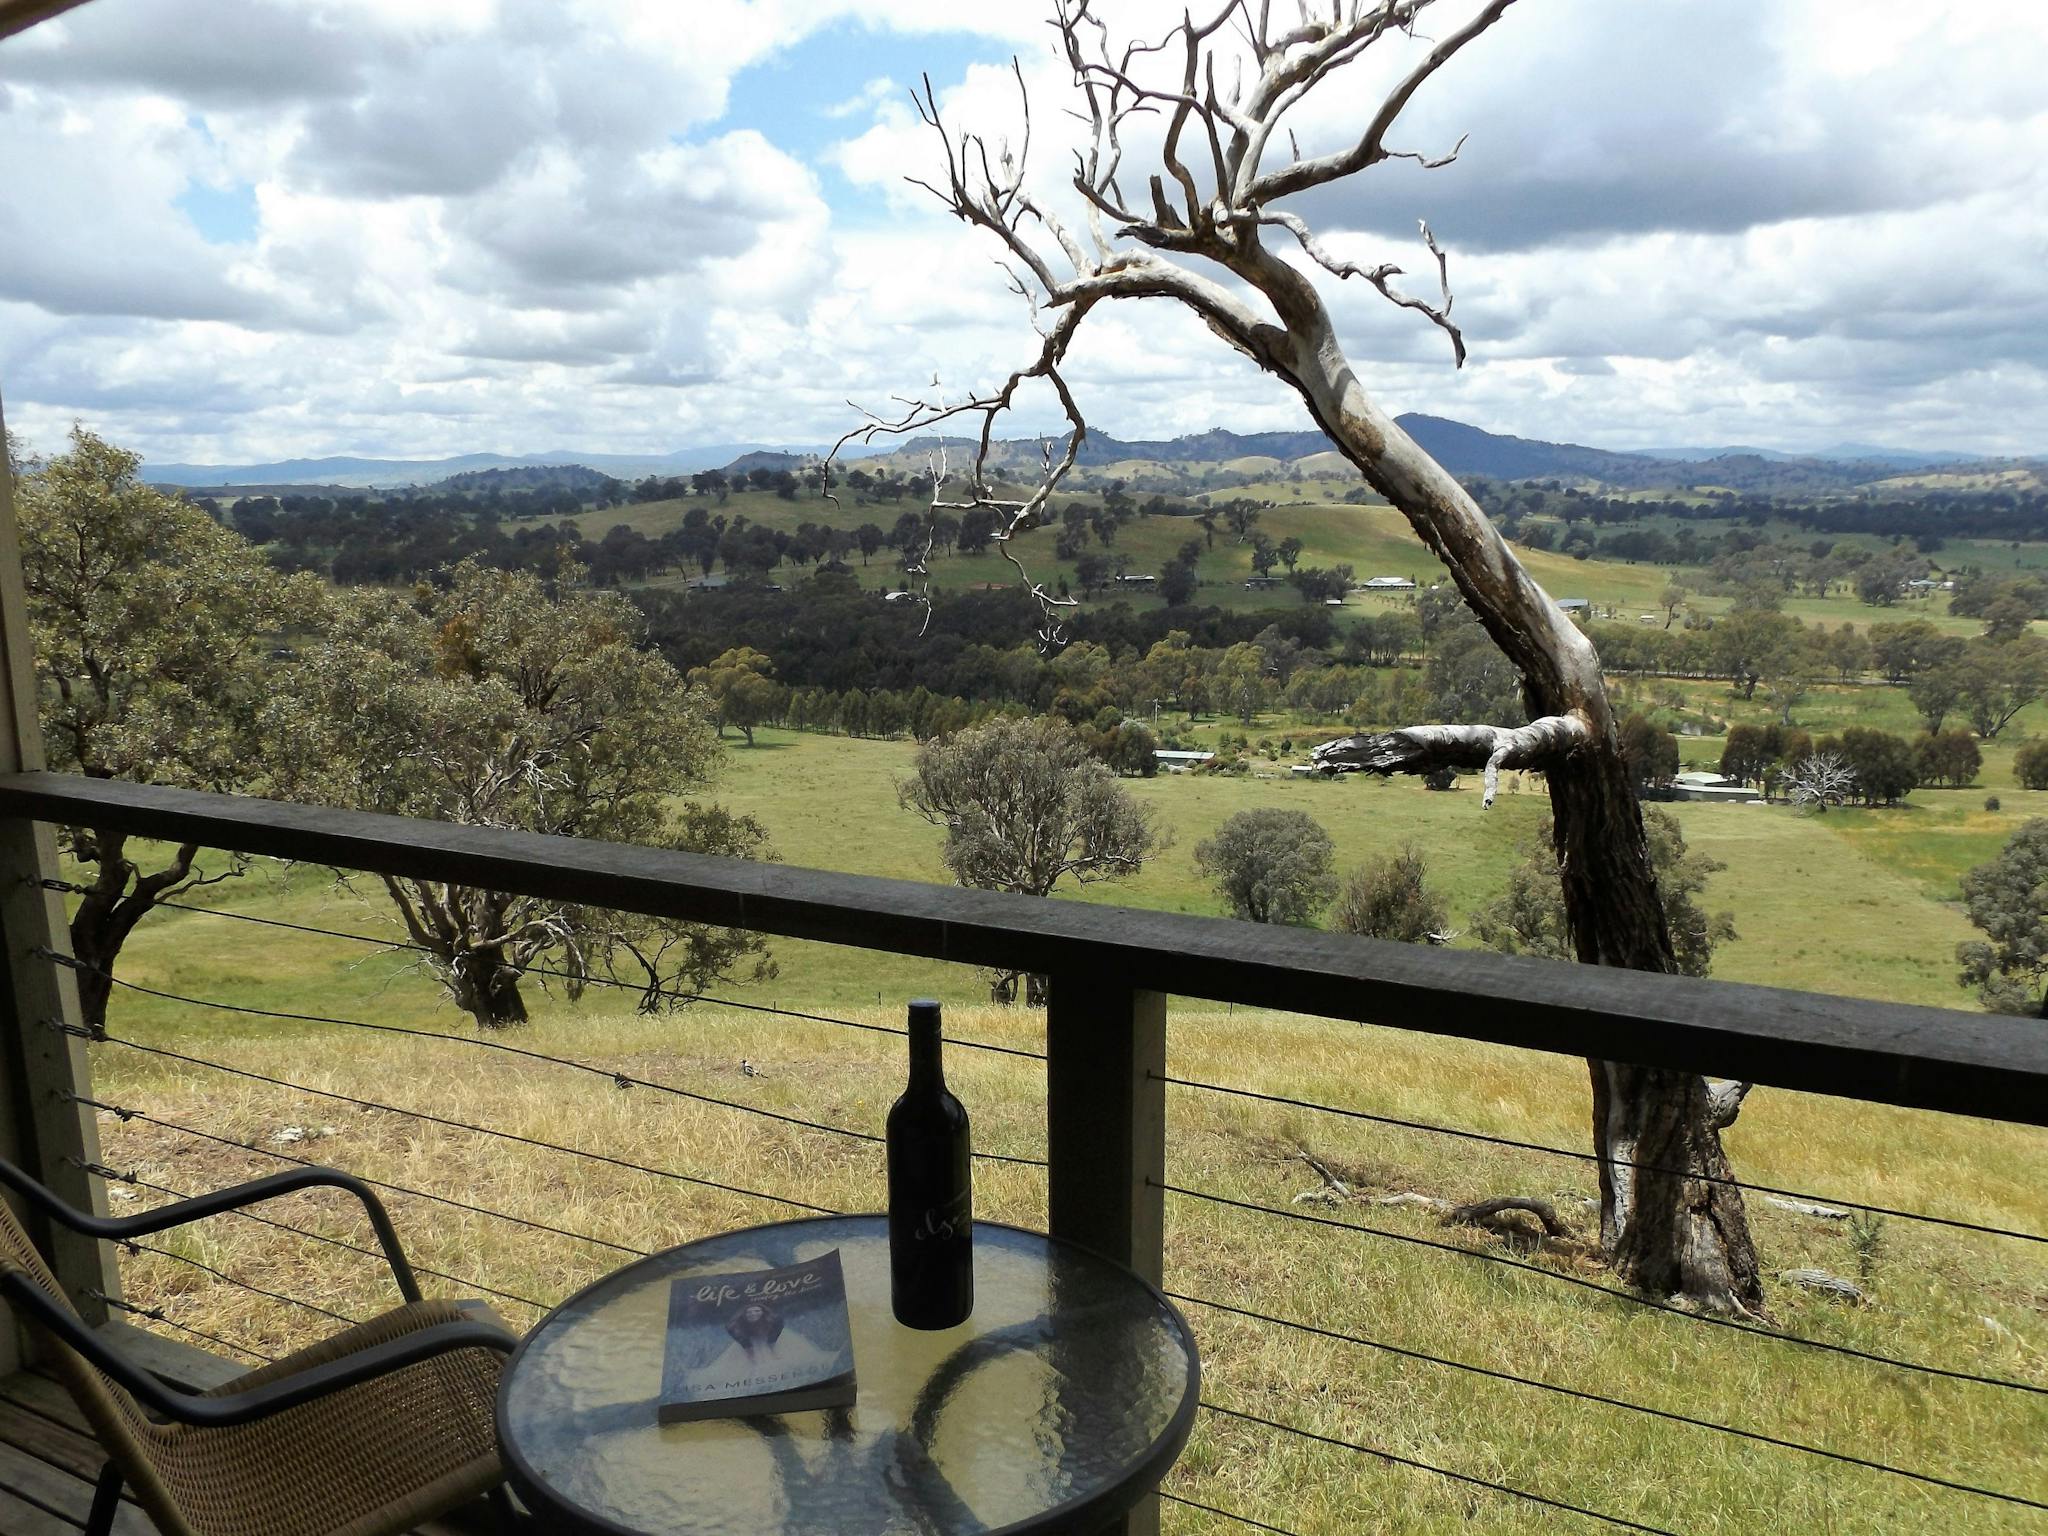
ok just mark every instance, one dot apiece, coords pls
pixel 1808 1208
pixel 1422 749
pixel 1827 1284
pixel 1334 1189
pixel 1410 1197
pixel 1487 1213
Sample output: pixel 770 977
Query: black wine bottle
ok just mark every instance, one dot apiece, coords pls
pixel 931 1194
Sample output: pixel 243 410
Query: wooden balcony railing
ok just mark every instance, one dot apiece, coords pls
pixel 1110 972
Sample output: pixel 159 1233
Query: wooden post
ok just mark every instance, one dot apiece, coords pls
pixel 1105 1046
pixel 41 1129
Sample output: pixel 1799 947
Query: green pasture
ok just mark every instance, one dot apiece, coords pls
pixel 1373 540
pixel 1847 902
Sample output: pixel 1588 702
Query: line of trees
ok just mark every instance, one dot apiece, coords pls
pixel 169 651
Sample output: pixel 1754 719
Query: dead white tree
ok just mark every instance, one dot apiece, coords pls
pixel 1819 780
pixel 1217 94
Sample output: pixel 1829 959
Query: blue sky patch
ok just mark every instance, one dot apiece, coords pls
pixel 223 216
pixel 789 97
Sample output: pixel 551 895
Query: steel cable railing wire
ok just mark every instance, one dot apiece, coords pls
pixel 1396 1121
pixel 115 1176
pixel 125 1113
pixel 132 1246
pixel 1649 1302
pixel 1621 1522
pixel 625 1080
pixel 672 993
pixel 157 1315
pixel 1590 1157
pixel 465 1125
pixel 1758 1436
pixel 483 1042
pixel 1226 1514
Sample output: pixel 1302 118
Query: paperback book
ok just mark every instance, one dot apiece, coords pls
pixel 759 1341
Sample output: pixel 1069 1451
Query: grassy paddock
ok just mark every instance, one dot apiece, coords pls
pixel 1963 1301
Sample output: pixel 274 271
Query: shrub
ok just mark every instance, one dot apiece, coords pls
pixel 1882 763
pixel 1387 898
pixel 2030 765
pixel 1991 802
pixel 1270 865
pixel 1947 757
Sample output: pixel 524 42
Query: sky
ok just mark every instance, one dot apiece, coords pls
pixel 244 230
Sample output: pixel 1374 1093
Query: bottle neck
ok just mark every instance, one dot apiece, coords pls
pixel 927 1074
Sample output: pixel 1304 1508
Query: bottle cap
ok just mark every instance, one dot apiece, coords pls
pixel 924 1013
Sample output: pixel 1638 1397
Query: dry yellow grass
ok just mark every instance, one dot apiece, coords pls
pixel 1965 1301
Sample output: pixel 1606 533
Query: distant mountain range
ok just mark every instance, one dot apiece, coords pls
pixel 392 473
pixel 1462 449
pixel 1844 453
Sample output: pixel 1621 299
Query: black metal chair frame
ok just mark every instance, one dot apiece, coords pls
pixel 257 1402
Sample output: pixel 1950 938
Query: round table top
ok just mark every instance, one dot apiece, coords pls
pixel 1058 1405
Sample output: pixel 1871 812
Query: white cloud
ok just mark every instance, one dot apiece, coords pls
pixel 524 225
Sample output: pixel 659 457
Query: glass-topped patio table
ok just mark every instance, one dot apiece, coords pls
pixel 1056 1407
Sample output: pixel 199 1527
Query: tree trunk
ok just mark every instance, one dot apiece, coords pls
pixel 1003 986
pixel 1666 1223
pixel 486 986
pixel 109 910
pixel 1674 1233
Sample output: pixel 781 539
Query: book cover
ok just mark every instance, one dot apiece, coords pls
pixel 758 1341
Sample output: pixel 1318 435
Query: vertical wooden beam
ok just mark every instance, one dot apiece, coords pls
pixel 1105 1046
pixel 41 1067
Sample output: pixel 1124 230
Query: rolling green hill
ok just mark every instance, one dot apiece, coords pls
pixel 1373 540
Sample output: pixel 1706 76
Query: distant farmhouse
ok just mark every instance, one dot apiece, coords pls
pixel 1180 762
pixel 1575 605
pixel 1698 785
pixel 1385 584
pixel 1260 583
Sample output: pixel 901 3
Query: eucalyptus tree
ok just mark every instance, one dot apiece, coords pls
pixel 2008 899
pixel 492 701
pixel 154 631
pixel 1026 807
pixel 1204 213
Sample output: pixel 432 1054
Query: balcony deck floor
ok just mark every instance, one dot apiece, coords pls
pixel 49 1463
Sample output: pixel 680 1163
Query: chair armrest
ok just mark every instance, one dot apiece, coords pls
pixel 256 1402
pixel 180 1212
pixel 318 1381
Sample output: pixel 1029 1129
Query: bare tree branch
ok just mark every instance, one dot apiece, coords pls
pixel 1380 275
pixel 1370 148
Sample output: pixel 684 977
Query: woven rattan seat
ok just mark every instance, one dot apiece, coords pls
pixel 372 1430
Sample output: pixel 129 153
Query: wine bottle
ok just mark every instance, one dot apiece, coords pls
pixel 931 1195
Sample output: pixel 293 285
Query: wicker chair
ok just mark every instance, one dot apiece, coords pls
pixel 370 1431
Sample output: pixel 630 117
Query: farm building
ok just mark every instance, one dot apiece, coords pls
pixel 1698 784
pixel 1180 762
pixel 1385 584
